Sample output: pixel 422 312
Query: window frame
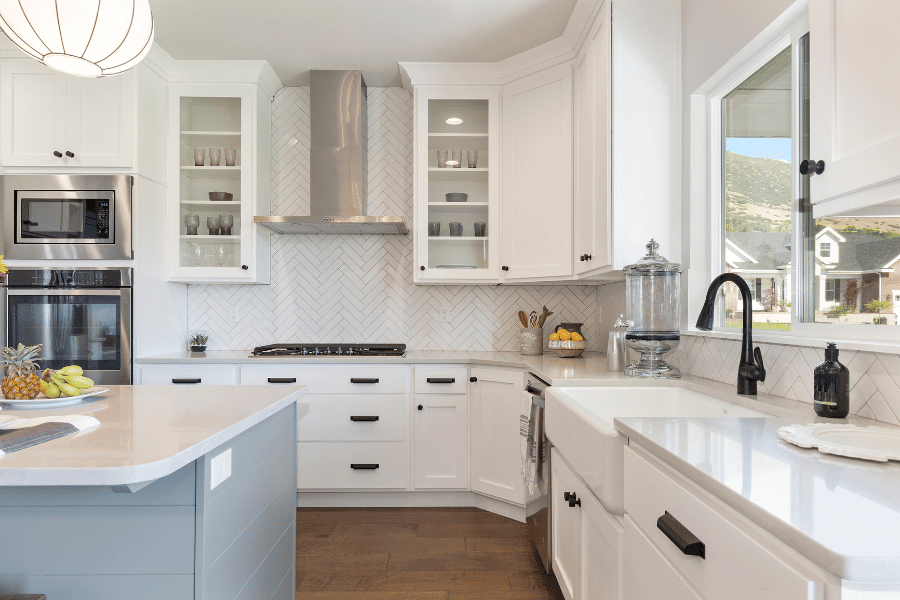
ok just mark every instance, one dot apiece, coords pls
pixel 706 251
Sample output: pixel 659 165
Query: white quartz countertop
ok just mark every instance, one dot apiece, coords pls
pixel 145 433
pixel 841 513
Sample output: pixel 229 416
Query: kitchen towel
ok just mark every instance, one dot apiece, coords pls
pixel 31 432
pixel 531 432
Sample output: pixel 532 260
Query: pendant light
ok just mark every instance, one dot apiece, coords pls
pixel 86 38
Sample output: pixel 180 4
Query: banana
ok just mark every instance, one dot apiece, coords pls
pixel 69 390
pixel 71 370
pixel 80 381
pixel 43 385
pixel 52 391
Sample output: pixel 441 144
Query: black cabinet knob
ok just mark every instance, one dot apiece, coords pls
pixel 572 499
pixel 422 268
pixel 245 267
pixel 70 154
pixel 420 407
pixel 57 154
pixel 505 268
pixel 587 257
pixel 811 167
pixel 581 258
pixel 473 379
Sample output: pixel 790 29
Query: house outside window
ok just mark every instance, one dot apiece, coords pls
pixel 825 249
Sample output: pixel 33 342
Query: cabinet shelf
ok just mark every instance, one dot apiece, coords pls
pixel 463 238
pixel 464 174
pixel 215 133
pixel 212 172
pixel 235 203
pixel 222 139
pixel 231 239
pixel 460 207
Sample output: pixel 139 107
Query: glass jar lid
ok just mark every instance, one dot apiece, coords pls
pixel 653 262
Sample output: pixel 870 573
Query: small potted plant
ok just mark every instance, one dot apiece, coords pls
pixel 198 342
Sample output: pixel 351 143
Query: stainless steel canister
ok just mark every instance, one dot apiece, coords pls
pixel 617 350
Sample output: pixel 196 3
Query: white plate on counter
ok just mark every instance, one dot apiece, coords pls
pixel 4 421
pixel 43 401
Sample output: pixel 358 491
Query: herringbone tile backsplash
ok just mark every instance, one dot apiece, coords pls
pixel 359 288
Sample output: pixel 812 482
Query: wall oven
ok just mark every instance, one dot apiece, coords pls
pixel 81 316
pixel 66 217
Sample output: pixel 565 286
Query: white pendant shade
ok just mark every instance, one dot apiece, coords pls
pixel 87 38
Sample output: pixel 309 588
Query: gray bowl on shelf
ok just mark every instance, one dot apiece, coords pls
pixel 457 197
pixel 220 196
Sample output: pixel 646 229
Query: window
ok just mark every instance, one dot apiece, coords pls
pixel 832 290
pixel 825 249
pixel 756 190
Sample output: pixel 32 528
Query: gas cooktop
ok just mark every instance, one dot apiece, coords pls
pixel 329 350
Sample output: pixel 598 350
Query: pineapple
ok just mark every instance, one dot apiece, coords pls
pixel 21 381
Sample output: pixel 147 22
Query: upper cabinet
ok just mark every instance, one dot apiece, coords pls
pixel 589 159
pixel 457 209
pixel 48 119
pixel 219 179
pixel 854 101
pixel 537 175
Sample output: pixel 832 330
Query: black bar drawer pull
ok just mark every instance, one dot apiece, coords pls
pixel 186 380
pixel 681 536
pixel 355 418
pixel 282 380
pixel 440 379
pixel 363 380
pixel 365 466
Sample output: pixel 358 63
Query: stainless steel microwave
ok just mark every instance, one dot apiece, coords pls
pixel 86 217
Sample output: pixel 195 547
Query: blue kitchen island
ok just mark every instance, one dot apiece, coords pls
pixel 128 509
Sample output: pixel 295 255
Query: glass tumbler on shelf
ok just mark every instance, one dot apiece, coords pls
pixel 215 156
pixel 214 224
pixel 480 229
pixel 434 229
pixel 456 229
pixel 472 158
pixel 197 253
pixel 442 159
pixel 456 158
pixel 221 255
pixel 191 223
pixel 199 156
pixel 230 157
pixel 227 222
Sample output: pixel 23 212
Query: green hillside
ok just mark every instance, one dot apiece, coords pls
pixel 757 193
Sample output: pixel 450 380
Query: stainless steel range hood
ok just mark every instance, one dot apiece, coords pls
pixel 338 165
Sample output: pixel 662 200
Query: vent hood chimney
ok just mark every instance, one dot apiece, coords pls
pixel 338 164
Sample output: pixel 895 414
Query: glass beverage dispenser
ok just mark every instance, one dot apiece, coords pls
pixel 652 296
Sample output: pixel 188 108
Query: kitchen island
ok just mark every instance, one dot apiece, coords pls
pixel 127 509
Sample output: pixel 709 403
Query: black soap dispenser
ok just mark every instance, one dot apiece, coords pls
pixel 831 386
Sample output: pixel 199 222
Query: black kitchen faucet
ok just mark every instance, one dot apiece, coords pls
pixel 751 368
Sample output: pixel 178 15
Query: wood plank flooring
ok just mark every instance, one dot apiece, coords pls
pixel 416 553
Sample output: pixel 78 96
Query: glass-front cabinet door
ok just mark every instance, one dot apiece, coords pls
pixel 457 198
pixel 211 186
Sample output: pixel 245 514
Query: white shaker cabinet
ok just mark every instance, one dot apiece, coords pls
pixel 48 119
pixel 537 175
pixel 496 405
pixel 854 101
pixel 441 427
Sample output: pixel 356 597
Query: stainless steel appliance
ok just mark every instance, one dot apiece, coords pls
pixel 81 316
pixel 537 504
pixel 66 217
pixel 332 350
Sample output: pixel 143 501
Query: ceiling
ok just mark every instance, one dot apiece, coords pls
pixel 295 36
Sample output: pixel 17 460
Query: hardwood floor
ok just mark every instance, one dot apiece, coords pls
pixel 416 553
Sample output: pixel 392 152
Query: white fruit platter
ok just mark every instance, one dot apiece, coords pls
pixel 880 444
pixel 43 401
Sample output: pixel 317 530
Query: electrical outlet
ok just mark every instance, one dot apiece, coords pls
pixel 233 314
pixel 445 314
pixel 220 467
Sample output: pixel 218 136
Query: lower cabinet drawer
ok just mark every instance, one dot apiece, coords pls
pixel 192 375
pixel 351 418
pixel 352 465
pixel 735 565
pixel 647 572
pixel 332 379
pixel 441 380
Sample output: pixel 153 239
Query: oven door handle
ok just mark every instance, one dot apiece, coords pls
pixel 65 292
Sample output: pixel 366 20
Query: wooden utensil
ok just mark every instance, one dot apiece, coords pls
pixel 546 313
pixel 532 318
pixel 523 318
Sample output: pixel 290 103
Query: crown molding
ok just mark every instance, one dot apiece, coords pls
pixel 558 50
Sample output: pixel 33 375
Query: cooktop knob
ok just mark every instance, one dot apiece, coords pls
pixel 349 351
pixel 328 351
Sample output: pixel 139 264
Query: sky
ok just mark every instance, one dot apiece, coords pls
pixel 777 148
